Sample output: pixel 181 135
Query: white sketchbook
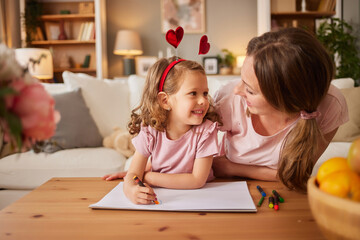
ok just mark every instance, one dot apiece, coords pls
pixel 213 197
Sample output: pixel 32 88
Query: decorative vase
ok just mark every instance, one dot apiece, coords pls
pixel 62 35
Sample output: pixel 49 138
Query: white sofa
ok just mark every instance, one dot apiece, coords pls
pixel 109 103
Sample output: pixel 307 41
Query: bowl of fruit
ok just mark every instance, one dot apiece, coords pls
pixel 334 195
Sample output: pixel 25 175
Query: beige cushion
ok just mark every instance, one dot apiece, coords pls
pixel 350 130
pixel 107 100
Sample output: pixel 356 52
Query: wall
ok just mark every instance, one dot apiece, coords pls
pixel 352 11
pixel 229 24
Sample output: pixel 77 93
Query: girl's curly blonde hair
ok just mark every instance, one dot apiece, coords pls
pixel 149 112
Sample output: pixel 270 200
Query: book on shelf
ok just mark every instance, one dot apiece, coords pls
pixel 38 35
pixel 80 31
pixel 87 31
pixel 327 5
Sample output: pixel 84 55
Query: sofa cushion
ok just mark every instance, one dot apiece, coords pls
pixel 350 131
pixel 108 100
pixel 136 86
pixel 343 83
pixel 76 128
pixel 29 170
pixel 55 88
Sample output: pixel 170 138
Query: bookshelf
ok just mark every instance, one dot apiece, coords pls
pixel 292 15
pixel 83 38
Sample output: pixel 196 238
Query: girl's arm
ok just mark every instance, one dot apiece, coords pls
pixel 196 179
pixel 138 194
pixel 225 168
pixel 113 176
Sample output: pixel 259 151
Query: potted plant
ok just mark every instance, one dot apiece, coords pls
pixel 337 36
pixel 31 19
pixel 226 62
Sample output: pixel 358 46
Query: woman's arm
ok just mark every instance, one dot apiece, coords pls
pixel 138 194
pixel 196 179
pixel 225 168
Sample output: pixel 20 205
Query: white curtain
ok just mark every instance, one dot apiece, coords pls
pixel 10 23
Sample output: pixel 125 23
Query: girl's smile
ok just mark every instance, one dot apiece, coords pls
pixel 190 103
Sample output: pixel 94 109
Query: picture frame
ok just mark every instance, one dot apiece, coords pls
pixel 190 15
pixel 52 30
pixel 143 63
pixel 211 65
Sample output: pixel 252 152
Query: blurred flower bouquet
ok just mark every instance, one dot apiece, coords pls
pixel 27 111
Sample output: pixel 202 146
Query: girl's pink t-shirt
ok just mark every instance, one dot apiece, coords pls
pixel 177 156
pixel 241 144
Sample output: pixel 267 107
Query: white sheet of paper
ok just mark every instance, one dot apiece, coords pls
pixel 217 197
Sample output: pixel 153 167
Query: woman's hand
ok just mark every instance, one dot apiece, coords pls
pixel 114 176
pixel 222 166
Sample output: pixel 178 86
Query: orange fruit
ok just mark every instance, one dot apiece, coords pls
pixel 354 156
pixel 331 165
pixel 337 183
pixel 355 187
pixel 345 184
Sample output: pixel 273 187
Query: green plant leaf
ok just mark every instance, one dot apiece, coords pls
pixel 338 37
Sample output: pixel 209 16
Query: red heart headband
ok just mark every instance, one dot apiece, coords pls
pixel 174 38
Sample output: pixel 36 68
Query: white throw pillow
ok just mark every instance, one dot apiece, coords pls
pixel 343 83
pixel 55 88
pixel 107 100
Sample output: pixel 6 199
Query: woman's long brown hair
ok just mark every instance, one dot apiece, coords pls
pixel 294 72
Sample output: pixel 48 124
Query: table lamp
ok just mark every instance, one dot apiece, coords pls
pixel 239 62
pixel 39 62
pixel 128 44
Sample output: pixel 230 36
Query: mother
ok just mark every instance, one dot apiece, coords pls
pixel 283 113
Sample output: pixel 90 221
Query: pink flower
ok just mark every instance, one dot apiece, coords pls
pixel 35 108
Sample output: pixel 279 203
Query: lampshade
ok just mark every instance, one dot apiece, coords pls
pixel 240 61
pixel 127 43
pixel 39 61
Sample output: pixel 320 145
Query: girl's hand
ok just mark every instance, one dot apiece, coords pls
pixel 222 166
pixel 114 176
pixel 140 195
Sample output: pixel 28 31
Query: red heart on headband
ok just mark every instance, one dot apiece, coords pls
pixel 204 45
pixel 175 37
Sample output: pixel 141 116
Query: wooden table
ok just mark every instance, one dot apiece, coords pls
pixel 59 210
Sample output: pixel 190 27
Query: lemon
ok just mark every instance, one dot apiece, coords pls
pixel 331 165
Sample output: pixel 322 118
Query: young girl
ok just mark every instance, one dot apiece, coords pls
pixel 173 127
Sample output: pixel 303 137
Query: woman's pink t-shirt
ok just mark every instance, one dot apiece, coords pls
pixel 177 156
pixel 241 144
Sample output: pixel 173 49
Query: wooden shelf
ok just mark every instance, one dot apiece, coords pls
pixel 84 70
pixel 298 15
pixel 62 42
pixel 56 17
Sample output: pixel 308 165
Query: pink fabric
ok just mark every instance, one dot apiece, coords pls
pixel 177 156
pixel 241 144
